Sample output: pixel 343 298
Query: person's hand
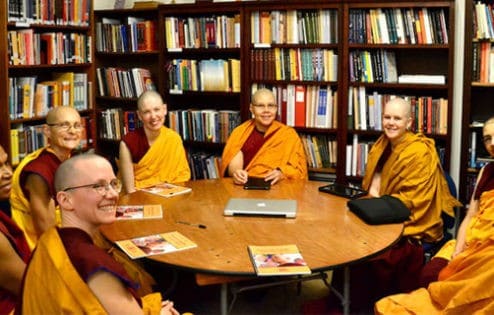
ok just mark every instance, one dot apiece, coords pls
pixel 457 251
pixel 167 308
pixel 240 177
pixel 274 176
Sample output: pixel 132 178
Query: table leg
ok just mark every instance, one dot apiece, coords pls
pixel 346 290
pixel 224 299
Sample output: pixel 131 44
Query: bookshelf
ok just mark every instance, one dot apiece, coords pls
pixel 127 62
pixel 478 90
pixel 203 81
pixel 46 61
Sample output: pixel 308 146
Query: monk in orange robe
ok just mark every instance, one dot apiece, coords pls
pixel 263 147
pixel 152 154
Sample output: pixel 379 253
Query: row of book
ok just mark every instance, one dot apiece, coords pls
pixel 113 123
pixel 73 12
pixel 215 31
pixel 483 19
pixel 310 106
pixel 294 27
pixel 302 64
pixel 429 115
pixel 398 26
pixel 204 75
pixel 477 154
pixel 204 165
pixel 125 83
pixel 29 97
pixel 373 66
pixel 483 62
pixel 25 139
pixel 356 156
pixel 27 47
pixel 136 34
pixel 320 150
pixel 204 125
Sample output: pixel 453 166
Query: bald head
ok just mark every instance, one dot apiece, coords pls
pixel 148 95
pixel 489 121
pixel 60 113
pixel 402 104
pixel 73 171
pixel 262 93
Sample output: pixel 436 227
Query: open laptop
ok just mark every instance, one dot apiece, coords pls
pixel 261 207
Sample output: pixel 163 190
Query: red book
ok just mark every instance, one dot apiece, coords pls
pixel 300 106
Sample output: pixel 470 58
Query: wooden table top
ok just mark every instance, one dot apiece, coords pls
pixel 326 233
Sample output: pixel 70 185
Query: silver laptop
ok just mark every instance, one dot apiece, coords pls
pixel 267 207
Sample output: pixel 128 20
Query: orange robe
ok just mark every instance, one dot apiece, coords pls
pixel 464 287
pixel 413 174
pixel 165 161
pixel 53 286
pixel 283 149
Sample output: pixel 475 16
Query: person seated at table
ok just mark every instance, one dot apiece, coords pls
pixel 153 153
pixel 406 166
pixel 32 197
pixel 263 147
pixel 477 224
pixel 464 286
pixel 67 270
pixel 14 251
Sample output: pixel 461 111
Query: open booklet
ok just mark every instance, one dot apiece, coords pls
pixel 155 244
pixel 135 212
pixel 167 190
pixel 278 260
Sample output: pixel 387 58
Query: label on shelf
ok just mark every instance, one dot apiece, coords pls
pixel 262 45
pixel 179 49
pixel 176 92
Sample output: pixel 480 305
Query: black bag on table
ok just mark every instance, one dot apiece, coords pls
pixel 382 210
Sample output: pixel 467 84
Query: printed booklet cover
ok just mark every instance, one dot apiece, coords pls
pixel 135 212
pixel 278 260
pixel 167 190
pixel 156 244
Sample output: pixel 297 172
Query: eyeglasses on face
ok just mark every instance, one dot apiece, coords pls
pixel 102 187
pixel 65 126
pixel 265 106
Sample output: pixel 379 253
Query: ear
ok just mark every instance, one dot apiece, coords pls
pixel 65 200
pixel 165 107
pixel 409 123
pixel 46 131
pixel 139 115
pixel 251 109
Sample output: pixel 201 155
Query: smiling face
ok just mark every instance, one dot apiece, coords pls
pixel 85 207
pixel 59 137
pixel 263 108
pixel 152 112
pixel 396 119
pixel 488 136
pixel 5 175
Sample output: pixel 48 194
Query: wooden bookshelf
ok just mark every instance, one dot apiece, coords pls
pixel 35 75
pixel 478 90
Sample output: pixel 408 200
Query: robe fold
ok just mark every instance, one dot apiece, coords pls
pixel 52 285
pixel 165 160
pixel 282 149
pixel 413 174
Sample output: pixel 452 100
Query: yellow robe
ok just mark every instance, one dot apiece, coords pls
pixel 479 227
pixel 464 287
pixel 165 161
pixel 21 209
pixel 53 286
pixel 283 149
pixel 413 174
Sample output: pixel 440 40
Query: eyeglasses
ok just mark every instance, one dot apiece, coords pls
pixel 65 126
pixel 265 106
pixel 102 188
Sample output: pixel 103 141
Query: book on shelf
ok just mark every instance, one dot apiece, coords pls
pixel 278 260
pixel 167 190
pixel 155 244
pixel 135 212
pixel 422 79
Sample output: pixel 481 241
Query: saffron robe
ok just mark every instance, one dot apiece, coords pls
pixel 464 287
pixel 413 174
pixel 21 209
pixel 165 161
pixel 283 149
pixel 53 286
pixel 15 236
